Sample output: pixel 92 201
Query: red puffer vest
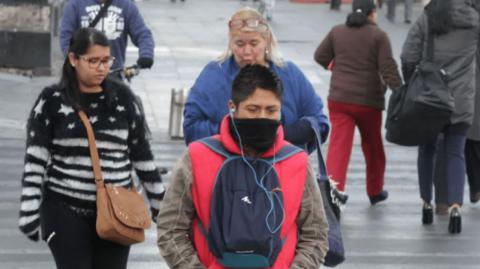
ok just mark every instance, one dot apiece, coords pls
pixel 205 165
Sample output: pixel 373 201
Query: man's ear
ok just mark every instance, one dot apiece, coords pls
pixel 231 106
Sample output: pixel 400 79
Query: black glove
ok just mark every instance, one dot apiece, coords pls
pixel 154 214
pixel 145 62
pixel 299 133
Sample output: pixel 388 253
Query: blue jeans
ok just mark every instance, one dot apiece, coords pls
pixel 454 146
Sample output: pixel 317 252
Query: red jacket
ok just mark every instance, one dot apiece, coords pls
pixel 205 165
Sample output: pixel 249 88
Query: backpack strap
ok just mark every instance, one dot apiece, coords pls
pixel 217 146
pixel 285 152
pixel 100 14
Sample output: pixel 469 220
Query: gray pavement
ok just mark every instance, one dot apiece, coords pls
pixel 190 34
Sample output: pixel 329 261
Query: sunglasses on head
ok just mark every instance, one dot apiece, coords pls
pixel 256 24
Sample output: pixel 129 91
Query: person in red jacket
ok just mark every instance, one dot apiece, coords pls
pixel 251 132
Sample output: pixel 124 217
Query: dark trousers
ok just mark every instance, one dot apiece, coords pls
pixel 454 146
pixel 74 243
pixel 344 117
pixel 335 4
pixel 472 157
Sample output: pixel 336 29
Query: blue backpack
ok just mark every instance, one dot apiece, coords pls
pixel 247 210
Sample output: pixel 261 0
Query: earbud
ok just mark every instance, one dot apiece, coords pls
pixel 232 110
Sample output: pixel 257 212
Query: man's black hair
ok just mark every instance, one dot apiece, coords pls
pixel 252 77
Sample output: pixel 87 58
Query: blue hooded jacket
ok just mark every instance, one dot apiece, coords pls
pixel 207 102
pixel 121 20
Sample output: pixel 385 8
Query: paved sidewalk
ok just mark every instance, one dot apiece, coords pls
pixel 188 35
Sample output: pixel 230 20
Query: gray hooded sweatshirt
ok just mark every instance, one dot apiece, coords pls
pixel 454 51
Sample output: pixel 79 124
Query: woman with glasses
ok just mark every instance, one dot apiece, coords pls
pixel 58 185
pixel 360 56
pixel 251 41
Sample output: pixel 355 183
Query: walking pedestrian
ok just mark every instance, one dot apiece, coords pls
pixel 356 96
pixel 119 20
pixel 454 26
pixel 249 193
pixel 251 41
pixel 58 184
pixel 391 10
pixel 472 146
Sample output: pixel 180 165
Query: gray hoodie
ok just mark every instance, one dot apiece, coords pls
pixel 454 51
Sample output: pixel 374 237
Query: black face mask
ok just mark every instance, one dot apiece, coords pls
pixel 257 134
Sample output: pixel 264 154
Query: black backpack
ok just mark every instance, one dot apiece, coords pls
pixel 247 210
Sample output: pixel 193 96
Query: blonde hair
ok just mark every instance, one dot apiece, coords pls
pixel 272 45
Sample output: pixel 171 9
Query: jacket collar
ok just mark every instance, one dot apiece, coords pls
pixel 231 145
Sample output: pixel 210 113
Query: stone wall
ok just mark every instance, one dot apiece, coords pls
pixel 27 34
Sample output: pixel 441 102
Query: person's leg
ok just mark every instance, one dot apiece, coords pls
pixel 408 11
pixel 455 149
pixel 341 140
pixel 109 255
pixel 472 160
pixel 440 178
pixel 369 122
pixel 68 236
pixel 335 4
pixel 425 164
pixel 391 6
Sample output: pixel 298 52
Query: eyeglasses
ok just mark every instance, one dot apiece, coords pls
pixel 257 24
pixel 94 62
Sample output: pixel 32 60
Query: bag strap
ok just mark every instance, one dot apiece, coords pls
pixel 430 46
pixel 284 153
pixel 100 14
pixel 97 171
pixel 217 146
pixel 322 169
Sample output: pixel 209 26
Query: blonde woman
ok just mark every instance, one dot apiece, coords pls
pixel 251 41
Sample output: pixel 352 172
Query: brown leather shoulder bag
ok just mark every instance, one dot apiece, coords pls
pixel 122 215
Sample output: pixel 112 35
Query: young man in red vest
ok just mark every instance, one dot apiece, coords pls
pixel 250 135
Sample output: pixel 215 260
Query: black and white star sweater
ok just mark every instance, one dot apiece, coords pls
pixel 57 154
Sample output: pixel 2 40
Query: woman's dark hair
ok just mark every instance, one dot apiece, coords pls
pixel 361 9
pixel 252 77
pixel 81 41
pixel 439 16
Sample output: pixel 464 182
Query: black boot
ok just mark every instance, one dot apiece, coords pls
pixel 382 196
pixel 427 214
pixel 455 224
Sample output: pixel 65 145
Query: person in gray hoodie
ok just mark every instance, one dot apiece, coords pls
pixel 455 26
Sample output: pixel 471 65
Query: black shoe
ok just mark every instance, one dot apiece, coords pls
pixel 455 224
pixel 427 214
pixel 382 196
pixel 474 197
pixel 408 21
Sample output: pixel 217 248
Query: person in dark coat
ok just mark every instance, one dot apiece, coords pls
pixel 455 26
pixel 472 146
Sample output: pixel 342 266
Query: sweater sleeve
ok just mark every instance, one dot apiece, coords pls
pixel 386 63
pixel 68 25
pixel 310 108
pixel 201 106
pixel 175 219
pixel 139 33
pixel 324 54
pixel 142 158
pixel 37 155
pixel 312 224
pixel 412 51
